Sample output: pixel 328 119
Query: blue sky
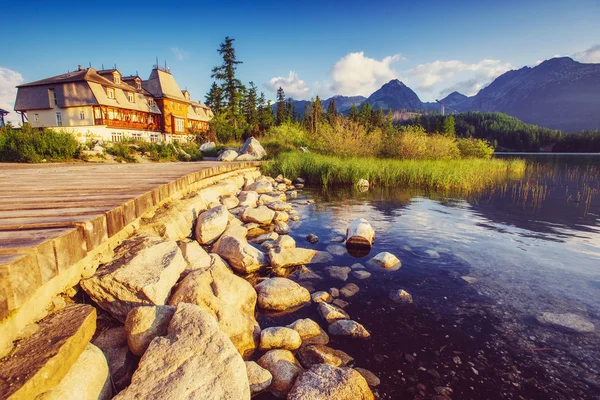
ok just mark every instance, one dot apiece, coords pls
pixel 308 47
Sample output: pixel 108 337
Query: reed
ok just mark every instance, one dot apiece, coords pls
pixel 464 176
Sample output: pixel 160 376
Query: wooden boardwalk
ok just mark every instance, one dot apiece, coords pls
pixel 52 215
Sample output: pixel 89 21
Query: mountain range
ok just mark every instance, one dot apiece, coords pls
pixel 559 93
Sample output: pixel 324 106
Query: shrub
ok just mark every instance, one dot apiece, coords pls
pixel 220 128
pixel 414 143
pixel 475 148
pixel 29 144
pixel 286 137
pixel 347 138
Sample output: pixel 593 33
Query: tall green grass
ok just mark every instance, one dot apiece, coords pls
pixel 464 176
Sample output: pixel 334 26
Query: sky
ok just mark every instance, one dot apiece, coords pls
pixel 309 48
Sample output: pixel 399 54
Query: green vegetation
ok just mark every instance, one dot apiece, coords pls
pixel 32 145
pixel 584 142
pixel 461 176
pixel 500 129
pixel 158 152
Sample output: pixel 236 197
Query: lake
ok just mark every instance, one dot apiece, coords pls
pixel 479 270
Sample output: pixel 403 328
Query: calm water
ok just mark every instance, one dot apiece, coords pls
pixel 533 245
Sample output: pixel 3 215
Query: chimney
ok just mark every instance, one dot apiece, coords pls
pixel 79 68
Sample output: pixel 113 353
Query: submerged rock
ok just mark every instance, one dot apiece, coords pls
pixel 401 296
pixel 370 377
pixel 349 290
pixel 312 238
pixel 281 294
pixel 340 273
pixel 567 322
pixel 327 382
pixel 336 250
pixel 320 354
pixel 361 274
pixel 386 260
pixel 432 254
pixel 346 327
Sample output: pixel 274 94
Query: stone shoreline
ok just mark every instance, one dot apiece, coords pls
pixel 177 302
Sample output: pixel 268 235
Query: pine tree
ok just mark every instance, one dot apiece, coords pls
pixel 377 120
pixel 225 73
pixel 265 114
pixel 353 114
pixel 214 98
pixel 331 112
pixel 448 128
pixel 366 115
pixel 291 110
pixel 281 113
pixel 250 106
pixel 312 115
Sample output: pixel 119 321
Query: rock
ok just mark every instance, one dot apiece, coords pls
pixel 361 274
pixel 258 377
pixel 312 238
pixel 362 184
pixel 170 367
pixel 279 205
pixel 207 147
pixel 469 279
pixel 327 382
pixel 566 322
pixel 281 294
pixel 253 148
pixel 306 273
pixel 261 215
pixel 401 296
pixel 318 297
pixel 386 260
pixel 292 193
pixel 432 254
pixel 143 273
pixel 281 228
pixel 250 226
pixel 310 332
pixel 279 338
pixel 285 369
pixel 290 257
pixel 340 303
pixel 322 257
pixel 88 379
pixel 231 300
pixel 287 242
pixel 335 292
pixel 144 324
pixel 371 378
pixel 228 155
pixel 230 202
pixel 320 354
pixel 195 256
pixel 121 361
pixel 300 180
pixel 266 199
pixel 38 363
pixel 248 198
pixel 357 266
pixel 338 239
pixel 260 187
pixel 331 313
pixel 211 224
pixel 246 157
pixel 264 237
pixel 349 290
pixel 281 216
pixel 336 250
pixel 268 245
pixel 346 327
pixel 340 273
pixel 236 250
pixel 360 233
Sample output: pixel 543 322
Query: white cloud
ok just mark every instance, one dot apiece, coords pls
pixel 591 55
pixel 8 92
pixel 292 85
pixel 179 53
pixel 356 74
pixel 425 77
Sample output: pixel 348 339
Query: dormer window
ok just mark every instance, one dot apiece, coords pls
pixel 110 93
pixel 130 97
pixel 151 102
pixel 117 78
pixel 187 95
pixel 138 84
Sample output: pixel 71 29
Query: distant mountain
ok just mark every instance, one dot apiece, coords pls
pixel 395 95
pixel 454 98
pixel 560 93
pixel 344 103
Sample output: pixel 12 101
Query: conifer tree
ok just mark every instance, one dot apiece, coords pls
pixel 281 112
pixel 225 73
pixel 448 128
pixel 265 114
pixel 214 98
pixel 331 111
pixel 250 105
pixel 366 115
pixel 353 114
pixel 291 110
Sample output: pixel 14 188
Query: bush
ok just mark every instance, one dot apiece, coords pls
pixel 414 143
pixel 347 138
pixel 220 128
pixel 475 148
pixel 29 144
pixel 286 137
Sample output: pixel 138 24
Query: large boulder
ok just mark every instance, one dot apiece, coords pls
pixel 236 250
pixel 260 187
pixel 195 256
pixel 88 379
pixel 253 148
pixel 248 198
pixel 310 332
pixel 39 363
pixel 280 294
pixel 284 368
pixel 121 361
pixel 278 337
pixel 286 255
pixel 211 224
pixel 331 313
pixel 228 155
pixel 320 354
pixel 196 360
pixel 346 327
pixel 143 324
pixel 258 377
pixel 228 298
pixel 207 147
pixel 261 215
pixel 566 322
pixel 143 273
pixel 327 382
pixel 360 233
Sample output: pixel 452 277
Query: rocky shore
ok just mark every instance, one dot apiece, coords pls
pixel 174 314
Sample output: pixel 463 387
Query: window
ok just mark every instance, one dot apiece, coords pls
pixel 97 113
pixel 179 107
pixel 110 93
pixel 52 97
pixel 136 135
pixel 154 138
pixel 58 119
pixel 179 125
pixel 130 97
pixel 117 78
pixel 138 84
pixel 117 137
pixel 151 102
pixel 172 106
pixel 81 114
pixel 36 117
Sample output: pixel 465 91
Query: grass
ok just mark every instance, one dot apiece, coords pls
pixel 32 145
pixel 464 176
pixel 158 152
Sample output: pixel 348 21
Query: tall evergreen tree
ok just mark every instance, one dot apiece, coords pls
pixel 377 119
pixel 353 114
pixel 366 115
pixel 250 105
pixel 225 73
pixel 291 110
pixel 265 114
pixel 448 128
pixel 331 111
pixel 214 98
pixel 281 112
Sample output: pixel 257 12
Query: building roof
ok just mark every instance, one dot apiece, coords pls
pixel 162 85
pixel 3 112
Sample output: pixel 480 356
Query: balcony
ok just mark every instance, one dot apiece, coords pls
pixel 117 123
